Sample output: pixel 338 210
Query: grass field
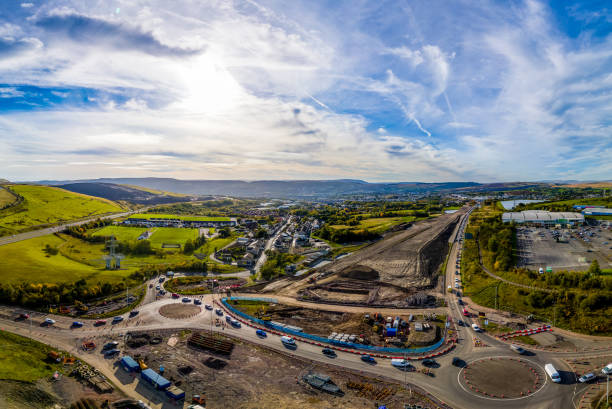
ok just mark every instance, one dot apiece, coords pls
pixel 23 359
pixel 180 217
pixel 218 243
pixel 377 224
pixel 6 197
pixel 170 235
pixel 121 233
pixel 44 205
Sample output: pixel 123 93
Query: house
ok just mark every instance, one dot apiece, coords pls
pixel 242 241
pixel 290 268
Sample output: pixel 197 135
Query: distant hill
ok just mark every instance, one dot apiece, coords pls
pixel 262 188
pixel 116 192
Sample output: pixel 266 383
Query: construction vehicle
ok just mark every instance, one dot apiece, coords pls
pixel 142 364
pixel 54 356
pixel 64 310
pixel 69 360
pixel 199 399
pixel 88 345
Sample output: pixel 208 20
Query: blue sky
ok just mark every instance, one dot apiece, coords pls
pixel 373 90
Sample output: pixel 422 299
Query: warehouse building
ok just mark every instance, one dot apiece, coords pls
pixel 597 211
pixel 543 218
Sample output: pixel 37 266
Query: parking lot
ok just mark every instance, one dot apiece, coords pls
pixel 575 249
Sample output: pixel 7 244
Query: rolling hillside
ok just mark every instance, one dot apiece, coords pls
pixel 44 205
pixel 133 194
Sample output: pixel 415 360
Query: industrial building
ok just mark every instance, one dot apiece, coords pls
pixel 543 218
pixel 597 211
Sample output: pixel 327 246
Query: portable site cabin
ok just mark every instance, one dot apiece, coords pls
pixel 155 379
pixel 129 364
pixel 175 393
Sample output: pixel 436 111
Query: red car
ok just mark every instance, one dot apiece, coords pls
pixel 100 322
pixel 175 295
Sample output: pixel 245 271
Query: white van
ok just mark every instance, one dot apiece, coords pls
pixel 476 328
pixel 552 372
pixel 400 363
pixel 607 370
pixel 287 340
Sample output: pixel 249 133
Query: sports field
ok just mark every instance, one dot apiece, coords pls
pixel 180 217
pixel 121 233
pixel 170 235
pixel 45 205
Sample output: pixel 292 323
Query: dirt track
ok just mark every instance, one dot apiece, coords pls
pixel 407 259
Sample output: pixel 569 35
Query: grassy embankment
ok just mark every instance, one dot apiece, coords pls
pixel 180 217
pixel 44 205
pixel 6 198
pixel 577 307
pixel 376 224
pixel 22 359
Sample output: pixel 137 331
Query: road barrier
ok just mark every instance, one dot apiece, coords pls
pixel 525 332
pixel 338 345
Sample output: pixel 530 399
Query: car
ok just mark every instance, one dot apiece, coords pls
pixel 458 362
pixel 368 359
pixel 161 279
pixel 460 323
pixel 587 378
pixel 134 313
pixel 219 312
pixel 288 342
pixel 208 307
pixel 157 287
pixel 110 345
pixel 186 299
pixel 607 370
pixel 99 323
pixel 174 295
pixel 111 352
pixel 261 333
pixel 77 324
pixel 22 317
pixel 117 319
pixel 197 301
pixel 401 363
pixel 235 323
pixel 460 301
pixel 518 349
pixel 456 285
pixel 476 328
pixel 49 321
pixel 429 363
pixel 329 352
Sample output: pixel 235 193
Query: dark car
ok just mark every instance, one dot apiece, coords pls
pixel 458 362
pixel 329 352
pixel 77 324
pixel 460 323
pixel 261 333
pixel 134 313
pixel 111 352
pixel 197 301
pixel 430 363
pixel 110 345
pixel 368 359
pixel 117 319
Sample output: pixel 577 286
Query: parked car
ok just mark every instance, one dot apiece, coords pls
pixel 49 321
pixel 261 333
pixel 368 359
pixel 197 301
pixel 117 319
pixel 329 352
pixel 100 322
pixel 587 377
pixel 208 307
pixel 157 287
pixel 110 345
pixel 134 313
pixel 77 324
pixel 174 295
pixel 186 299
pixel 428 362
pixel 219 312
pixel 111 352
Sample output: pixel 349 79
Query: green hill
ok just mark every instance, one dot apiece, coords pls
pixel 44 205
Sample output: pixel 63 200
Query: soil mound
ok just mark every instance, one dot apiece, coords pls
pixel 360 272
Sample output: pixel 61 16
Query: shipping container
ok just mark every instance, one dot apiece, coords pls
pixel 155 379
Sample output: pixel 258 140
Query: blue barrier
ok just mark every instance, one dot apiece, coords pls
pixel 351 345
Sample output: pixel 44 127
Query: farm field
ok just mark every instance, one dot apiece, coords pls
pixel 180 217
pixel 121 233
pixel 6 197
pixel 44 205
pixel 171 235
pixel 377 224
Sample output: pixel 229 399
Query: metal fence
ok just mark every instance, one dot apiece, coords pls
pixel 268 324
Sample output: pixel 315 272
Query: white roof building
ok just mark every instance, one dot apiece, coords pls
pixel 543 217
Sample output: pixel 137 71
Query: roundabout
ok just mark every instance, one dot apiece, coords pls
pixel 502 378
pixel 179 311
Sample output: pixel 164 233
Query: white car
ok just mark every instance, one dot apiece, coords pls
pixel 476 328
pixel 49 321
pixel 587 378
pixel 607 370
pixel 456 285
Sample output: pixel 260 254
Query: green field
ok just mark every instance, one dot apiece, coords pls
pixel 175 216
pixel 377 224
pixel 23 359
pixel 171 235
pixel 44 205
pixel 6 198
pixel 218 243
pixel 121 233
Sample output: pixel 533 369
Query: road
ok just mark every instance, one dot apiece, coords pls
pixel 54 229
pixel 263 257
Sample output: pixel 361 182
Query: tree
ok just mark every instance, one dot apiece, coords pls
pixel 188 248
pixel 224 232
pixel 594 269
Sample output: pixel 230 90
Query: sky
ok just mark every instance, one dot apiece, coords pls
pixel 400 90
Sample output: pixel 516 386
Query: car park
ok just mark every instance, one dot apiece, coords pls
pixel 261 333
pixel 587 378
pixel 329 352
pixel 368 359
